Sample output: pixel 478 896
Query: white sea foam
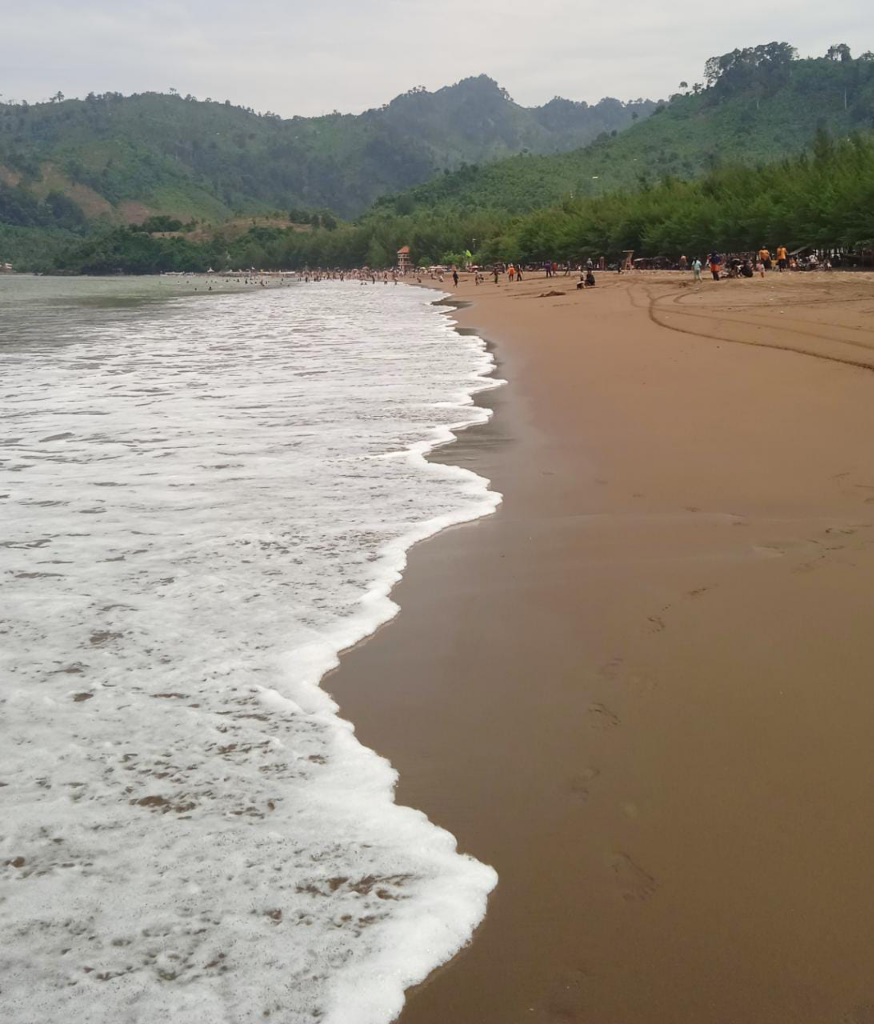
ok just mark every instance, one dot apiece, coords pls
pixel 203 502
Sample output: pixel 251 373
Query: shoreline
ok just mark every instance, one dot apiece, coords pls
pixel 640 689
pixel 253 755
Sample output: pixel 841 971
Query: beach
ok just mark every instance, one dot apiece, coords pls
pixel 641 690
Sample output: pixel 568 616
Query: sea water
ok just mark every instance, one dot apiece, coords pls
pixel 205 498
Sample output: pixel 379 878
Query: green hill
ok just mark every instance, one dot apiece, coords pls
pixel 758 105
pixel 119 159
pixel 742 133
pixel 825 198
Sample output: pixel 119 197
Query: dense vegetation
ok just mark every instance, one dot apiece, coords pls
pixel 825 199
pixel 120 159
pixel 720 161
pixel 34 229
pixel 756 105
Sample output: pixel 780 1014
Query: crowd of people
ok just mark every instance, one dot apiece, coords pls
pixel 751 264
pixel 719 266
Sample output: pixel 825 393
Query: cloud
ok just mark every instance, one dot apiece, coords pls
pixel 296 57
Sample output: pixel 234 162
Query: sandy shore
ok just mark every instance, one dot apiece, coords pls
pixel 644 689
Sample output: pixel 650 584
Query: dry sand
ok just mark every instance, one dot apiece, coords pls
pixel 644 689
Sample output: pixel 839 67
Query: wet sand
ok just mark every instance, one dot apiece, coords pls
pixel 644 689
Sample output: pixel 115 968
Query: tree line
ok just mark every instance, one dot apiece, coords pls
pixel 824 198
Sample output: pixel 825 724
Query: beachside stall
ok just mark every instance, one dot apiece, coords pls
pixel 860 257
pixel 811 257
pixel 654 263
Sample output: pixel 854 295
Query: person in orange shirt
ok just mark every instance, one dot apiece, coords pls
pixel 765 257
pixel 511 273
pixel 782 258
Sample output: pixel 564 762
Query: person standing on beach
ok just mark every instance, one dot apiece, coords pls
pixel 511 273
pixel 715 260
pixel 455 277
pixel 496 272
pixel 696 270
pixel 684 263
pixel 782 258
pixel 765 257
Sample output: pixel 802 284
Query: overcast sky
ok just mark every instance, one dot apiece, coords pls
pixel 312 57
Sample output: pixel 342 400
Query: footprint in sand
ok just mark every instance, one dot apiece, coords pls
pixel 808 566
pixel 601 717
pixel 698 591
pixel 779 549
pixel 611 669
pixel 861 1014
pixel 640 685
pixel 636 683
pixel 579 784
pixel 565 1002
pixel 657 623
pixel 635 885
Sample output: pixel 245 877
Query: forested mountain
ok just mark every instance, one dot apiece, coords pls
pixel 756 105
pixel 120 159
pixel 718 160
pixel 824 199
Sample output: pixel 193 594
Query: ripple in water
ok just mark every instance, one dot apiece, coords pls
pixel 203 501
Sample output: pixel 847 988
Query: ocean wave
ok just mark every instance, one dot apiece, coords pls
pixel 207 501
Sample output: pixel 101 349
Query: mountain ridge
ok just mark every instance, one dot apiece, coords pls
pixel 760 105
pixel 757 110
pixel 121 158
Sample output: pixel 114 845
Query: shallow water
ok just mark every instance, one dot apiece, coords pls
pixel 204 498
